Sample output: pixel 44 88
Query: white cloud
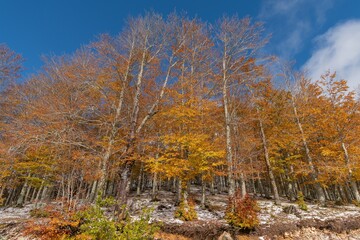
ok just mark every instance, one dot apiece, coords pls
pixel 338 50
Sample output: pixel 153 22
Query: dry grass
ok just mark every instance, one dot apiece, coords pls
pixel 169 236
pixel 245 237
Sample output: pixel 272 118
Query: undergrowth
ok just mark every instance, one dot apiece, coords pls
pixel 301 202
pixel 356 203
pixel 90 223
pixel 242 212
pixel 186 211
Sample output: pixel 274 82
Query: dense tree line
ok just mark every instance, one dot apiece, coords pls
pixel 173 102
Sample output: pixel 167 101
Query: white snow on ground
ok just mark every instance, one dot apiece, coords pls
pixel 163 210
pixel 12 214
pixel 269 212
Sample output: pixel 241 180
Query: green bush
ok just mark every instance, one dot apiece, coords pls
pixel 186 212
pixel 139 229
pixel 95 225
pixel 242 212
pixel 90 223
pixel 39 213
pixel 301 202
pixel 106 202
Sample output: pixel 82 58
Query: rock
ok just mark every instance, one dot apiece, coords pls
pixel 225 236
pixel 162 207
pixel 291 209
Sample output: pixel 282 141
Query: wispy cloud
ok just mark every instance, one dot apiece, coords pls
pixel 338 50
pixel 275 7
pixel 293 42
pixel 296 9
pixel 294 22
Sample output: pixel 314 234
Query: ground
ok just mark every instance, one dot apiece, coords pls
pixel 318 222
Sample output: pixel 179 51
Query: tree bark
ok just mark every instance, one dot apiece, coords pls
pixel 139 180
pixel 313 173
pixel 21 197
pixel 154 187
pixel 229 157
pixel 350 175
pixel 203 193
pixel 114 125
pixel 243 185
pixel 268 164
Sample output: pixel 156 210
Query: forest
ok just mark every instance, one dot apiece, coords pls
pixel 173 102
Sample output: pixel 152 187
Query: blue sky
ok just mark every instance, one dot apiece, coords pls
pixel 318 35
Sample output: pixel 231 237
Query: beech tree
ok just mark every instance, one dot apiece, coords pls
pixel 340 108
pixel 237 41
pixel 262 96
pixel 10 64
pixel 173 102
pixel 302 85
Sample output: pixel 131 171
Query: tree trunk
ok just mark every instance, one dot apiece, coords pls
pixel 21 197
pixel 178 192
pixel 124 184
pixel 313 173
pixel 291 185
pixel 39 194
pixel 26 195
pixel 154 187
pixel 203 193
pixel 139 180
pixel 229 158
pixel 227 115
pixel 243 185
pixel 1 194
pixel 350 175
pixel 8 200
pixel 93 191
pixel 212 187
pixel 44 194
pixel 261 187
pixel 268 164
pixel 114 125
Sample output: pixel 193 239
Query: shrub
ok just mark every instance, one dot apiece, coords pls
pixel 356 203
pixel 242 212
pixel 106 202
pixel 140 229
pixel 95 225
pixel 56 225
pixel 90 223
pixel 186 211
pixel 301 202
pixel 39 213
